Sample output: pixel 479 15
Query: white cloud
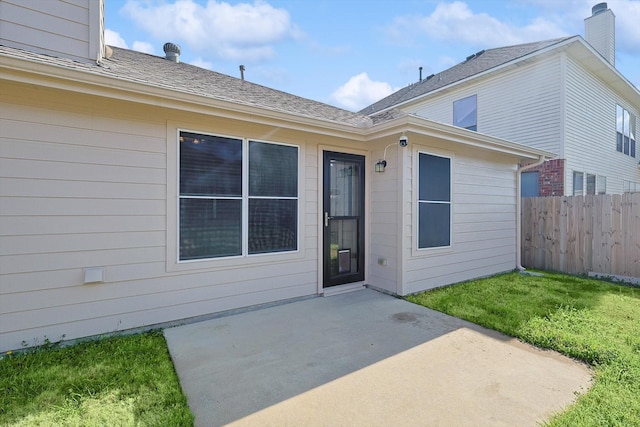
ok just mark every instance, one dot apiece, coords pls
pixel 144 47
pixel 627 25
pixel 573 13
pixel 361 91
pixel 236 32
pixel 456 22
pixel 113 38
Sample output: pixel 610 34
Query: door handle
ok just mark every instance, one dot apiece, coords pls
pixel 326 219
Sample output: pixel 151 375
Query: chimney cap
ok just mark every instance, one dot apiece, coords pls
pixel 599 8
pixel 172 51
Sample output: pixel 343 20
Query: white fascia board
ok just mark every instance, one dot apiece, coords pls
pixel 422 126
pixel 51 76
pixel 586 55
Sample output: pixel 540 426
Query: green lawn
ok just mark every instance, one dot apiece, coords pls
pixel 590 320
pixel 119 381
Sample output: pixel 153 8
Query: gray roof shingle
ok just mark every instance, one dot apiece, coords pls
pixel 156 71
pixel 476 64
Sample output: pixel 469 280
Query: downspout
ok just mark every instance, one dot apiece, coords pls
pixel 519 210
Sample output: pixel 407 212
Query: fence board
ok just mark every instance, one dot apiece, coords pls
pixel 582 234
pixel 563 234
pixel 635 236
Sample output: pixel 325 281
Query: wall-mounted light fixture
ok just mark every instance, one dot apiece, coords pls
pixel 382 163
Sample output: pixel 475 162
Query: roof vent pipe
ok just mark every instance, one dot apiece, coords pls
pixel 420 69
pixel 242 72
pixel 172 52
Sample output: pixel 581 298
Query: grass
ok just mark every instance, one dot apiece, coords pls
pixel 590 320
pixel 118 381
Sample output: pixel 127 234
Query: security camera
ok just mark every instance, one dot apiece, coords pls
pixel 404 141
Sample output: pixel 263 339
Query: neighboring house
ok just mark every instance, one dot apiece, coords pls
pixel 136 190
pixel 563 95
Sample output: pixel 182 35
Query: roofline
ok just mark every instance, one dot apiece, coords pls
pixel 564 43
pixel 57 77
pixel 80 81
pixel 422 126
pixel 635 91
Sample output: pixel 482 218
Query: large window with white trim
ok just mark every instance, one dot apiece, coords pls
pixel 236 197
pixel 434 201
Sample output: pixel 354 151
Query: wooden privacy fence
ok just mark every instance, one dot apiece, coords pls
pixel 582 234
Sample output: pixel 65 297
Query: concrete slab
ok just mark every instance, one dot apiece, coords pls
pixel 365 358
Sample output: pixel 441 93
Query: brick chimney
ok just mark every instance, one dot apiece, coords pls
pixel 600 31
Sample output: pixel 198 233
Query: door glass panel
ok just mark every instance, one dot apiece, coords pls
pixel 343 253
pixel 343 207
pixel 344 188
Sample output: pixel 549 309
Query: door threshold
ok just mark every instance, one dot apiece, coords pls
pixel 342 289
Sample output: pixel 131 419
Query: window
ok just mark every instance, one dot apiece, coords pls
pixel 220 215
pixel 578 183
pixel 625 132
pixel 465 113
pixel 591 184
pixel 602 184
pixel 434 201
pixel 529 185
pixel 630 186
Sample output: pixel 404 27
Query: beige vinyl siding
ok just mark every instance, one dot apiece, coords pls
pixel 483 221
pixel 83 183
pixel 521 105
pixel 591 131
pixel 385 202
pixel 68 29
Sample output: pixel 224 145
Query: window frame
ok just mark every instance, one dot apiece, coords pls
pixel 173 261
pixel 626 132
pixel 473 127
pixel 601 184
pixel 582 174
pixel 591 184
pixel 417 250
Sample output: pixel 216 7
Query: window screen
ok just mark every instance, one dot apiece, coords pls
pixel 212 205
pixel 434 201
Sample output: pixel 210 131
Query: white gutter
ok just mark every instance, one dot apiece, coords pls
pixel 540 161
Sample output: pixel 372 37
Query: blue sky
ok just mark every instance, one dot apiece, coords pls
pixel 350 53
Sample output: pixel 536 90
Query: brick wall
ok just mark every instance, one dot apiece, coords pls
pixel 551 178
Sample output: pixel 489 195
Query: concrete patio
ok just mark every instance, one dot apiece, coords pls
pixel 365 359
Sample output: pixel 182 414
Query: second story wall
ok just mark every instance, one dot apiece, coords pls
pixel 590 146
pixel 72 29
pixel 523 105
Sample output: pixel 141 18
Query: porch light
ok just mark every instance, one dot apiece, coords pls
pixel 380 165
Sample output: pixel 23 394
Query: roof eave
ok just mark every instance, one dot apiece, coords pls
pixel 591 59
pixel 596 63
pixel 422 126
pixel 482 74
pixel 79 81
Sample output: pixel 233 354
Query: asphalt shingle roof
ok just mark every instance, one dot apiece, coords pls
pixel 478 63
pixel 157 71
